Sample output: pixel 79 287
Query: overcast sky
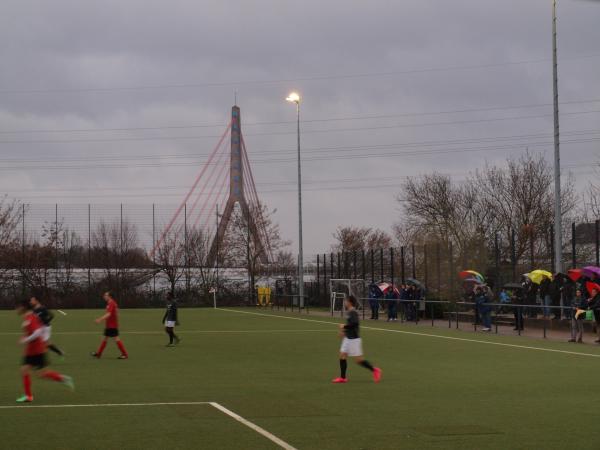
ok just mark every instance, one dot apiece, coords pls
pixel 422 81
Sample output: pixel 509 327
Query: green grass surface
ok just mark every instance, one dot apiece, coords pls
pixel 437 393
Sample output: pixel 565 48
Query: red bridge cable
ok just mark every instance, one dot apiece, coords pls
pixel 257 204
pixel 222 176
pixel 255 194
pixel 189 211
pixel 200 175
pixel 220 201
pixel 219 164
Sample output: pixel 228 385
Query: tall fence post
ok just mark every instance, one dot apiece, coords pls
pixel 56 246
pixel 318 277
pixel 354 264
pixel 346 271
pixel 23 281
pixel 392 265
pixel 154 252
pixel 339 266
pixel 331 264
pixel 531 249
pixel 402 265
pixel 552 256
pixel 573 245
pixel 426 271
pixel 497 261
pixel 363 268
pixel 451 271
pixel 414 262
pixel 438 258
pixel 597 242
pixel 186 253
pixel 372 266
pixel 325 284
pixel 513 255
pixel 382 278
pixel 120 272
pixel 89 256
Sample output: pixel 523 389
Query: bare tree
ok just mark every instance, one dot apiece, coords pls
pixel 496 199
pixel 171 257
pixel 251 238
pixel 116 251
pixel 285 264
pixel 356 239
pixel 11 215
pixel 520 197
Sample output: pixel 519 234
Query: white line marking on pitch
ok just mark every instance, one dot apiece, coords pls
pixel 54 333
pixel 217 406
pixel 452 338
pixel 256 428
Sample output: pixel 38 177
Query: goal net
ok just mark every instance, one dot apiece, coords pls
pixel 340 288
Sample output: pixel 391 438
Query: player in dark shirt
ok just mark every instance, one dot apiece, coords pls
pixel 352 343
pixel 170 319
pixel 45 316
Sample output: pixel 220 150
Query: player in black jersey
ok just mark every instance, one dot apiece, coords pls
pixel 352 343
pixel 170 319
pixel 45 316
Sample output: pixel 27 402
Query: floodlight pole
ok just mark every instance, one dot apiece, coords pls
pixel 300 246
pixel 557 187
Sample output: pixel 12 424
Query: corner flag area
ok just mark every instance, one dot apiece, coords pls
pixel 251 379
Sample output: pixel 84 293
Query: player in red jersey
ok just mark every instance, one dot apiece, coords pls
pixel 111 326
pixel 35 353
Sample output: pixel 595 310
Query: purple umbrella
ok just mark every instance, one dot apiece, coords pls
pixel 591 272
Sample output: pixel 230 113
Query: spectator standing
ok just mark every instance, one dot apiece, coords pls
pixel 579 305
pixel 483 307
pixel 374 295
pixel 518 299
pixel 391 298
pixel 594 305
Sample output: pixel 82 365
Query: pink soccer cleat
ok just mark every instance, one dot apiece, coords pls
pixel 377 375
pixel 339 380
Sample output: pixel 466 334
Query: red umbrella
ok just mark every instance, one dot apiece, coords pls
pixel 574 274
pixel 590 286
pixel 386 287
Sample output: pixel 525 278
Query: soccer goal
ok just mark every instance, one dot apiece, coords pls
pixel 340 288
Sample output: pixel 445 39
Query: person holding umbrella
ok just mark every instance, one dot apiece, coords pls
pixel 594 305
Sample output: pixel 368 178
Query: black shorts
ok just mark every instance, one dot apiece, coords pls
pixel 111 332
pixel 36 361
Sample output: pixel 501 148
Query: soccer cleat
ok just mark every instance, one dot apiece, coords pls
pixel 24 399
pixel 339 380
pixel 170 344
pixel 123 357
pixel 68 382
pixel 377 375
pixel 95 355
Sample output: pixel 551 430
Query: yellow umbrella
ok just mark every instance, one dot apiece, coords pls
pixel 537 276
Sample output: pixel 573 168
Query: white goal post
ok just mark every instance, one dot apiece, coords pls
pixel 339 288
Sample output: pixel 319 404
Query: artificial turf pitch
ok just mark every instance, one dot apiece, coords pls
pixel 436 393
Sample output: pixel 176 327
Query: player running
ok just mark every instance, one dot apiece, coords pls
pixel 111 327
pixel 35 353
pixel 170 319
pixel 46 316
pixel 352 343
